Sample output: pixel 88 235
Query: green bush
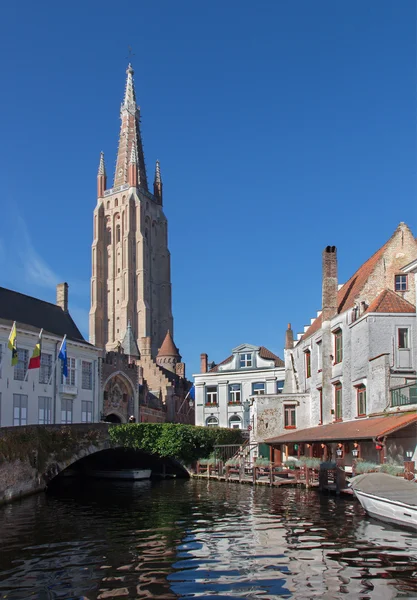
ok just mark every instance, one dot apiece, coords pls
pixel 391 469
pixel 363 466
pixel 185 443
pixel 262 462
pixel 307 461
pixel 233 462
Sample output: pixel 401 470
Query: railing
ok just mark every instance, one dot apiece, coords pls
pixel 404 395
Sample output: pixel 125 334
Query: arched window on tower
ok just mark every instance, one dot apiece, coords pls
pixel 108 204
pixel 108 236
pixel 116 202
pixel 117 233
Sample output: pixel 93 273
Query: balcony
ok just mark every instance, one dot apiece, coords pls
pixel 68 390
pixel 404 396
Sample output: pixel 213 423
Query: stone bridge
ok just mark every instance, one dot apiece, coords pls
pixel 31 456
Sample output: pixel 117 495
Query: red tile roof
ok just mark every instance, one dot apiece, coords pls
pixel 390 302
pixel 168 347
pixel 360 429
pixel 349 292
pixel 263 353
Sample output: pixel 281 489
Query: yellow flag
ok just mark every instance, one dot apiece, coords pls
pixel 12 344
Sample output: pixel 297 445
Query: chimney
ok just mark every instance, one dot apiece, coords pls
pixel 203 363
pixel 329 283
pixel 289 338
pixel 62 296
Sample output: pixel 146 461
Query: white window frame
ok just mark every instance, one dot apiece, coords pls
pixel 403 282
pixel 67 409
pixel 211 394
pixel 319 355
pixel 245 360
pixel 20 409
pixel 44 410
pixel 237 422
pixel 291 410
pixel 86 411
pixel 72 371
pixel 235 393
pixel 212 421
pixel 86 375
pixel 258 391
pixel 45 370
pixel 21 368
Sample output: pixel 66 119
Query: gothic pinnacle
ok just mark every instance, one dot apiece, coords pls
pixel 158 172
pixel 101 166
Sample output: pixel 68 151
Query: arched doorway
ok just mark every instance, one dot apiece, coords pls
pixel 112 418
pixel 118 399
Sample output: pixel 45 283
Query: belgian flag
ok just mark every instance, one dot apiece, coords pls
pixel 35 361
pixel 12 344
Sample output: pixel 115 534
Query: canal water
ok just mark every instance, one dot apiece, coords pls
pixel 196 539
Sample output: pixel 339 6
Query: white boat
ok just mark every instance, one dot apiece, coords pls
pixel 121 474
pixel 387 498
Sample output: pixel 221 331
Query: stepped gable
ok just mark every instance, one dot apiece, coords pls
pixel 390 302
pixel 350 291
pixel 34 314
pixel 263 353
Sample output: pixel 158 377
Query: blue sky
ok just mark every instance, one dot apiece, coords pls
pixel 281 127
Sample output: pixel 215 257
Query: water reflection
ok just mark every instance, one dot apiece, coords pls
pixel 179 539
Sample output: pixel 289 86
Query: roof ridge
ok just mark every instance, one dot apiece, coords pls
pixel 31 297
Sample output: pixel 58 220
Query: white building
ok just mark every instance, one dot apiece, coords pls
pixel 223 393
pixel 44 396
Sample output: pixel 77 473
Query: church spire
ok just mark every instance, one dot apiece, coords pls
pixel 157 184
pixel 130 137
pixel 101 177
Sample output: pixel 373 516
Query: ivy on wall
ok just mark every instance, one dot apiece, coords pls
pixel 185 443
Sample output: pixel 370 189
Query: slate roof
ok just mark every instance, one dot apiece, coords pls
pixel 360 429
pixel 34 314
pixel 263 353
pixel 390 302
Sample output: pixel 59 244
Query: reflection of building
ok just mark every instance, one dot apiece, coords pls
pixel 43 395
pixel 131 316
pixel 223 392
pixel 356 360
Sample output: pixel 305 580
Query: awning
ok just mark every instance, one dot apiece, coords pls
pixel 360 429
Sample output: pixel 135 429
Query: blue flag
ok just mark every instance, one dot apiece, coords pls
pixel 192 392
pixel 63 356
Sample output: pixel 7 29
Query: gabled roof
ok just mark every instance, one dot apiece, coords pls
pixel 34 314
pixel 390 302
pixel 263 353
pixel 360 429
pixel 350 291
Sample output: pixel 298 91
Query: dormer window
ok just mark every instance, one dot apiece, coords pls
pixel 245 360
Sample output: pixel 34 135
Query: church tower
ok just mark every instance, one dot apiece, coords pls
pixel 131 279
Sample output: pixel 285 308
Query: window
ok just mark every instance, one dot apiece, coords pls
pixel 234 393
pixel 70 380
pixel 20 409
pixel 361 400
pixel 108 233
pixel 258 389
pixel 280 386
pixel 66 411
pixel 44 410
pixel 320 391
pixel 212 422
pixel 211 394
pixel 338 402
pixel 403 338
pixel 308 363
pixel 245 360
pixel 319 356
pixel 21 368
pixel 86 411
pixel 87 375
pixel 235 422
pixel 117 233
pixel 338 346
pixel 46 368
pixel 401 283
pixel 289 417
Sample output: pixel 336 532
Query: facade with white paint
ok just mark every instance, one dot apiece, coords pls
pixel 43 396
pixel 224 392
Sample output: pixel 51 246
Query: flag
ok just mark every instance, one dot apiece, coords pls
pixel 12 344
pixel 63 356
pixel 35 361
pixel 192 392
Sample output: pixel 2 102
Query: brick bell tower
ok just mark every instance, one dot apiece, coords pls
pixel 131 279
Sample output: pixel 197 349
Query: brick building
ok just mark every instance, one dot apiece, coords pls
pixel 131 313
pixel 356 360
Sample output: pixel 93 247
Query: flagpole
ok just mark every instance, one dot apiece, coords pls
pixel 56 361
pixel 185 399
